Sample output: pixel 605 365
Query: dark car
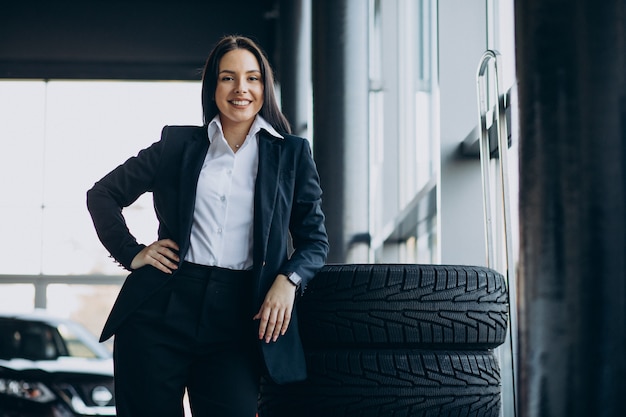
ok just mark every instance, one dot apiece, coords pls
pixel 51 367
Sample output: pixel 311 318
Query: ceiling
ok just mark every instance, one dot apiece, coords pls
pixel 116 39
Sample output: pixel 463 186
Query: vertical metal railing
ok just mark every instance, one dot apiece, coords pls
pixel 485 91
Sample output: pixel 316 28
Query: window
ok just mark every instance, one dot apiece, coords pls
pixel 58 138
pixel 403 130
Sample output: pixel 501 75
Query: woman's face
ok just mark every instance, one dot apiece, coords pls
pixel 239 90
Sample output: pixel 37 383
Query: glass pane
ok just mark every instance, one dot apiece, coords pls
pixel 62 136
pixel 107 122
pixel 17 298
pixel 94 126
pixel 88 305
pixel 21 228
pixel 424 139
pixel 22 119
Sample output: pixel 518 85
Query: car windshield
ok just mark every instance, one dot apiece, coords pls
pixel 40 341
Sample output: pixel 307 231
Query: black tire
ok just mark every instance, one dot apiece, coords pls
pixel 410 383
pixel 404 306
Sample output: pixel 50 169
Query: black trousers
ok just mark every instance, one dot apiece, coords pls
pixel 196 333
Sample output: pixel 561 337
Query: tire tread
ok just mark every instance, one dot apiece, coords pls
pixel 404 306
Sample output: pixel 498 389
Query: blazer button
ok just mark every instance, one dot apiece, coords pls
pixel 263 264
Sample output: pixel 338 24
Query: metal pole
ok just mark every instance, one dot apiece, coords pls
pixel 508 269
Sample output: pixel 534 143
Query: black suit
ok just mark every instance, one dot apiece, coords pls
pixel 287 201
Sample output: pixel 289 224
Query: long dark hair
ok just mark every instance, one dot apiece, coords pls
pixel 270 110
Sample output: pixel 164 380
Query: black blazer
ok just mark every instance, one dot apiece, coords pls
pixel 287 202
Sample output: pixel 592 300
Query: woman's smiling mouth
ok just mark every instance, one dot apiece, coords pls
pixel 240 102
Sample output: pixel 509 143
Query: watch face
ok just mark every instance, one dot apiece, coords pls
pixel 294 278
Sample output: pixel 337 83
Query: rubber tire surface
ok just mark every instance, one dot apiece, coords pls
pixel 411 383
pixel 404 306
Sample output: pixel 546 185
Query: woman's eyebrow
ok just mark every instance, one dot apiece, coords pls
pixel 232 72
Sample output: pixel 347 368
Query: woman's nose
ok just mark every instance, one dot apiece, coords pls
pixel 241 87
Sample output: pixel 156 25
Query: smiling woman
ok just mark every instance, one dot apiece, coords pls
pixel 239 94
pixel 208 304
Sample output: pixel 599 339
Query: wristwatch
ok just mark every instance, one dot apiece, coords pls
pixel 294 278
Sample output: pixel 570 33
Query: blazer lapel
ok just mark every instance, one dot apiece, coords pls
pixel 265 192
pixel 192 158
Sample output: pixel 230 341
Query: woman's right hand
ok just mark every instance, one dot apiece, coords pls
pixel 159 254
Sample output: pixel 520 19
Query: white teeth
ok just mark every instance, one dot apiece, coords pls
pixel 240 102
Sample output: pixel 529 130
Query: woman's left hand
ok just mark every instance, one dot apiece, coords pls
pixel 275 312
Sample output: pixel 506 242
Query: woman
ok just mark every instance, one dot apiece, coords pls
pixel 209 306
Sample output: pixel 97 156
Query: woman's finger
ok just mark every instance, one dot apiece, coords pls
pixel 280 320
pixel 271 325
pixel 159 254
pixel 286 321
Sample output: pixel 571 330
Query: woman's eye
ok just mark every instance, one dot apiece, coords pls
pixel 228 78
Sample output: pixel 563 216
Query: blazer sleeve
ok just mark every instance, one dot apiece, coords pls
pixel 306 225
pixel 118 189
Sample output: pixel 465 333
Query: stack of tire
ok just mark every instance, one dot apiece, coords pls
pixel 398 340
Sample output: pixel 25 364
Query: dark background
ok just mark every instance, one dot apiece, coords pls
pixel 115 39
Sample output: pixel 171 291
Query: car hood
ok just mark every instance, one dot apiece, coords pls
pixel 62 365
